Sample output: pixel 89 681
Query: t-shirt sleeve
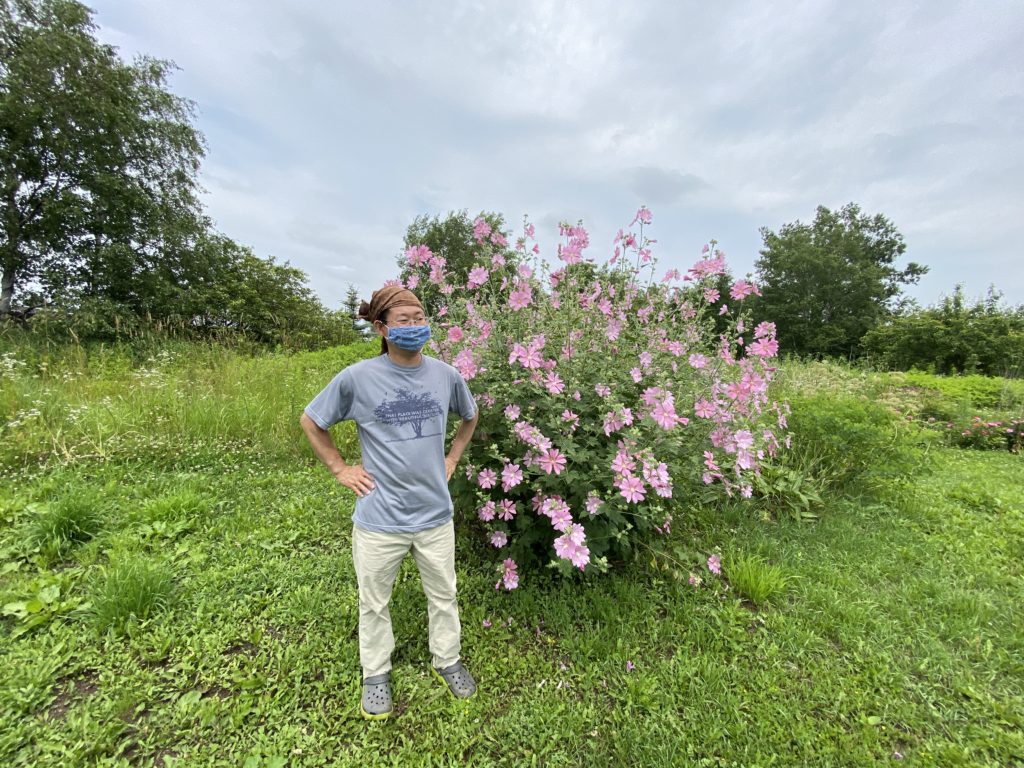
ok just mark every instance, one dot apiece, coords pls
pixel 461 400
pixel 333 404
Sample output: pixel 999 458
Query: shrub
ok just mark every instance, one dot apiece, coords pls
pixel 953 336
pixel 843 440
pixel 604 394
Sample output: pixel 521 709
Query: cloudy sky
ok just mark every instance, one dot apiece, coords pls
pixel 331 125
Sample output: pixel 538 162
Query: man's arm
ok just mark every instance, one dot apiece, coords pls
pixel 352 476
pixel 459 443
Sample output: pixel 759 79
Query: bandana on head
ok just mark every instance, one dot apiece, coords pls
pixel 386 298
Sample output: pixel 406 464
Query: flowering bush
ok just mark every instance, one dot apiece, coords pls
pixel 993 434
pixel 605 394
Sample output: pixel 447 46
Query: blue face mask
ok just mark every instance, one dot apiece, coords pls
pixel 409 337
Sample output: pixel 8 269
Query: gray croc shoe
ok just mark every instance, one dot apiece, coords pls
pixel 457 678
pixel 376 702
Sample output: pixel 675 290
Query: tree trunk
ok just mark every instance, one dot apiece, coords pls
pixel 6 291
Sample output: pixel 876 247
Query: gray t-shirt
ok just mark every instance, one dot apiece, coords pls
pixel 402 415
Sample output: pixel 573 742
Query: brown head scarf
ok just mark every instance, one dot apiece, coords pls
pixel 384 299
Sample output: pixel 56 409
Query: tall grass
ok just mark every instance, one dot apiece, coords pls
pixel 74 404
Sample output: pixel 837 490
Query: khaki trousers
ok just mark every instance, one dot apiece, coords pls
pixel 377 557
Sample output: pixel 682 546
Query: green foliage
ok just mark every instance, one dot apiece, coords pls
pixel 102 236
pixel 755 579
pixel 847 441
pixel 98 160
pixel 45 598
pixel 451 239
pixel 182 402
pixel 827 283
pixel 75 517
pixel 953 336
pixel 785 490
pixel 129 591
pixel 900 615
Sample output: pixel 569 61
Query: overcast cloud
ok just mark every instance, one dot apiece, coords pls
pixel 331 125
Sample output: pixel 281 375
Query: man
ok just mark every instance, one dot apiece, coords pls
pixel 400 402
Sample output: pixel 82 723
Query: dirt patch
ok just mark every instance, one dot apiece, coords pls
pixel 82 688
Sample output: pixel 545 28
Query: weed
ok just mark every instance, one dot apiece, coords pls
pixel 755 579
pixel 129 591
pixel 74 518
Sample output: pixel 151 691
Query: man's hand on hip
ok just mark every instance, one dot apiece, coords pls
pixel 356 479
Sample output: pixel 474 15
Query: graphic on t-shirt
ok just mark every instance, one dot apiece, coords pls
pixel 409 408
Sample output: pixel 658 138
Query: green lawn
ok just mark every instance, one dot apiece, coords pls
pixel 898 638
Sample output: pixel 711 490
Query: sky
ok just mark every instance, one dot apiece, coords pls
pixel 332 125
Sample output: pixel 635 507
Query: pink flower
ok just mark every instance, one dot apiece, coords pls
pixel 521 297
pixel 741 289
pixel 711 295
pixel 487 478
pixel 636 374
pixel 571 546
pixel 481 229
pixel 559 512
pixel 630 666
pixel 512 412
pixel 664 415
pixel 417 255
pixel 455 334
pixel 477 277
pixel 553 383
pixel 507 509
pixel 465 364
pixel 486 512
pixel 552 461
pixel 593 504
pixel 623 464
pixel 632 488
pixel 509 575
pixel 602 389
pixel 704 409
pixel 412 281
pixel 511 476
pixel 698 361
pixel 643 216
pixel 764 348
pixel 499 539
pixel 744 439
pixel 715 564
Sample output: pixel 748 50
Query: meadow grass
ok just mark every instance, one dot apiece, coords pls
pixel 887 631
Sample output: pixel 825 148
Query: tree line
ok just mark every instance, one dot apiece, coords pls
pixel 102 234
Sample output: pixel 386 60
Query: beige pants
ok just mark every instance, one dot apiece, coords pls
pixel 377 557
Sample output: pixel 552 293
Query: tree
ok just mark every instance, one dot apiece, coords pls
pixel 826 284
pixel 953 336
pixel 351 307
pixel 455 240
pixel 408 408
pixel 98 163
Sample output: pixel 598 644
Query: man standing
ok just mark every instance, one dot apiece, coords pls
pixel 400 401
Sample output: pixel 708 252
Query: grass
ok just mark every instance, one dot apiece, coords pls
pixel 755 579
pixel 888 629
pixel 129 592
pixel 74 518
